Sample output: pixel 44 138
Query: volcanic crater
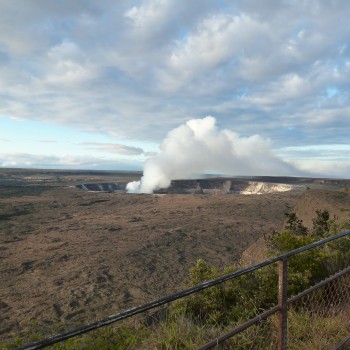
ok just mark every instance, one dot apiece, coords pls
pixel 72 256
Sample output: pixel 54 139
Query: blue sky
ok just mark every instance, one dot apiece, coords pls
pixel 99 84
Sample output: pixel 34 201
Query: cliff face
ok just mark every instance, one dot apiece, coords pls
pixel 225 186
pixel 263 187
pixel 103 187
pixel 201 186
pixel 229 185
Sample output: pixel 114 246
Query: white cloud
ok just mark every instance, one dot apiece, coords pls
pixel 150 16
pixel 114 148
pixel 24 160
pixel 137 70
pixel 332 168
pixel 68 64
pixel 287 88
pixel 218 39
pixel 199 147
pixel 46 141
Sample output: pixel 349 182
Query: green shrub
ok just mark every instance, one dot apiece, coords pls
pixel 231 301
pixel 246 296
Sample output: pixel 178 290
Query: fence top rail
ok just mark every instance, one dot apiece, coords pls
pixel 178 295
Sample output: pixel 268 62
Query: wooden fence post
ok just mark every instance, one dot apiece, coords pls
pixel 282 302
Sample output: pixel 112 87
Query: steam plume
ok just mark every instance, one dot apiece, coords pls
pixel 198 147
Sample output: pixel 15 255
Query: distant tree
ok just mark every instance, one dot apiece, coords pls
pixel 321 223
pixel 295 225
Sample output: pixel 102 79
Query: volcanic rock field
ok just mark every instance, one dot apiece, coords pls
pixel 74 247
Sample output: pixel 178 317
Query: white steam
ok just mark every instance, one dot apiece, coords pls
pixel 198 147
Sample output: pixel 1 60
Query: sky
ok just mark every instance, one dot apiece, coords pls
pixel 99 84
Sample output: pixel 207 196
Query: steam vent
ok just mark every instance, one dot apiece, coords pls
pixel 246 185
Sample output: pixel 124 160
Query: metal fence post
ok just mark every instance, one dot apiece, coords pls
pixel 282 302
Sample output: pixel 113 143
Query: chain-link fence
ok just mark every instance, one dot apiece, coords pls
pixel 316 317
pixel 321 318
pixel 270 305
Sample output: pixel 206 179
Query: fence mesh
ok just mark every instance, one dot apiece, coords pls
pixel 321 319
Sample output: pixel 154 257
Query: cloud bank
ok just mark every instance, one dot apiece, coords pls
pixel 43 161
pixel 199 147
pixel 135 70
pixel 122 68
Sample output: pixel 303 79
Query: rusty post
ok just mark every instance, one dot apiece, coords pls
pixel 282 302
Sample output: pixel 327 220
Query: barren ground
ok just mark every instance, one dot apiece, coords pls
pixel 69 256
